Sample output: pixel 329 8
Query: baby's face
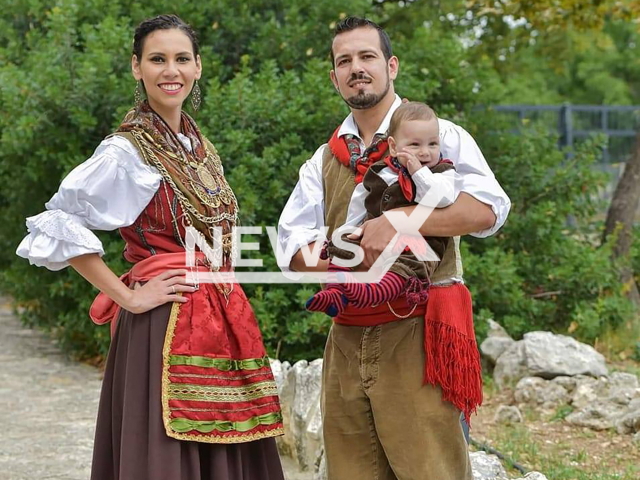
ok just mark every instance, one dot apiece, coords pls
pixel 421 139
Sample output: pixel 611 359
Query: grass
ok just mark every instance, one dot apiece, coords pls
pixel 562 412
pixel 554 458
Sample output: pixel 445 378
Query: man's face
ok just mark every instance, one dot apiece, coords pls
pixel 361 74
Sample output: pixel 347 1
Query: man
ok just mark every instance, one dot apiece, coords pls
pixel 390 412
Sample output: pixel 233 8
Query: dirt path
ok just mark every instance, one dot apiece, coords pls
pixel 48 406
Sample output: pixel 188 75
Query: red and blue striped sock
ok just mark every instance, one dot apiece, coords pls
pixel 387 289
pixel 331 301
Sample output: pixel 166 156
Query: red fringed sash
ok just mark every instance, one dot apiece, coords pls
pixel 217 384
pixel 452 356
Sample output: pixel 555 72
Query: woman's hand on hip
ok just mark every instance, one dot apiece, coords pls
pixel 159 290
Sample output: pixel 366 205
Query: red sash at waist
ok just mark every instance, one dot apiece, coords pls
pixel 104 309
pixel 384 313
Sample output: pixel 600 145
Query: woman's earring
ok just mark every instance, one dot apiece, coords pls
pixel 196 97
pixel 137 96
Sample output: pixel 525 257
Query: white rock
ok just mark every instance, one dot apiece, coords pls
pixel 511 365
pixel 508 414
pixel 606 402
pixel 314 441
pixel 493 347
pixel 288 443
pixel 634 404
pixel 624 380
pixel 300 400
pixel 321 474
pixel 568 383
pixel 624 388
pixel 496 330
pixel 549 355
pixel 587 391
pixel 486 467
pixel 305 406
pixel 601 415
pixel 538 391
pixel 629 422
pixel 279 370
pixel 546 355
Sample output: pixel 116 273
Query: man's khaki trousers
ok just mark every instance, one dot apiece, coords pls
pixel 380 422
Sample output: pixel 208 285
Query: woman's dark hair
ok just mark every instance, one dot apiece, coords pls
pixel 162 22
pixel 351 23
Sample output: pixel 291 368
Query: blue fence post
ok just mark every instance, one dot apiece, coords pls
pixel 566 127
pixel 604 123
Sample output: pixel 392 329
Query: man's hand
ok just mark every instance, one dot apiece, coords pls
pixel 376 234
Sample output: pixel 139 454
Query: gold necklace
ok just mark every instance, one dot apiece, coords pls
pixel 226 194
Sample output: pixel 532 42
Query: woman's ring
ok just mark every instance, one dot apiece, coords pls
pixel 173 289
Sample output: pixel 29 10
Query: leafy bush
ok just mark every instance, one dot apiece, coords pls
pixel 545 269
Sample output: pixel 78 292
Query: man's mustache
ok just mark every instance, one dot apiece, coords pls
pixel 360 76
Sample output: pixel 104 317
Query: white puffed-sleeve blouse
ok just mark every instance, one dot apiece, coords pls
pixel 108 191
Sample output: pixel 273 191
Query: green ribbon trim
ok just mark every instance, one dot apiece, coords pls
pixel 212 393
pixel 183 425
pixel 225 364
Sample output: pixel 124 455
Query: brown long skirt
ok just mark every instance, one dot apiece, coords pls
pixel 131 443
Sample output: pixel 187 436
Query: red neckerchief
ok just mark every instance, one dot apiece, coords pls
pixel 347 150
pixel 404 177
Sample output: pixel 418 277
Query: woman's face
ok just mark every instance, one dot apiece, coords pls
pixel 168 68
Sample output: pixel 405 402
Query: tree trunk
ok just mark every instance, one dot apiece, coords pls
pixel 621 216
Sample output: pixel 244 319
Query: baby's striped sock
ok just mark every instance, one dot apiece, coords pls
pixel 389 288
pixel 331 301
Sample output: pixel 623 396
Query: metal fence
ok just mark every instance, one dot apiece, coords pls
pixel 574 123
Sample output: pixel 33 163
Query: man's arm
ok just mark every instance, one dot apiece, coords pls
pixel 301 222
pixel 298 263
pixel 466 215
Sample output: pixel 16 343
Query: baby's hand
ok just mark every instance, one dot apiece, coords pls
pixel 410 161
pixel 413 165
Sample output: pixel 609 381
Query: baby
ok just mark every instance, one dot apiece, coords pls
pixel 413 172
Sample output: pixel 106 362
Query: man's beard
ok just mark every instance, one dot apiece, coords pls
pixel 363 101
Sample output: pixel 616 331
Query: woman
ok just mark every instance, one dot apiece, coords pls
pixel 188 392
